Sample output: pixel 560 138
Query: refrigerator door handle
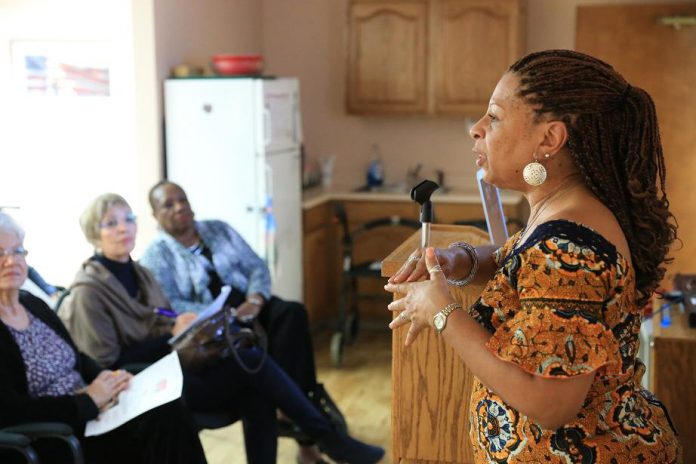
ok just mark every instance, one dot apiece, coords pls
pixel 295 122
pixel 271 245
pixel 268 126
pixel 254 209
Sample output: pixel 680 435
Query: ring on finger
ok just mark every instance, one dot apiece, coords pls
pixel 402 316
pixel 436 268
pixel 413 258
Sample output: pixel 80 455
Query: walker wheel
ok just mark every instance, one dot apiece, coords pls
pixel 337 349
pixel 350 328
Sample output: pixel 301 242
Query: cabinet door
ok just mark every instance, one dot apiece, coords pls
pixel 387 56
pixel 473 43
pixel 322 271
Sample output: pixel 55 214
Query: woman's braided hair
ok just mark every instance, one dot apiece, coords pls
pixel 614 140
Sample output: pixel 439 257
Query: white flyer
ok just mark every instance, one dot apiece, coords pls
pixel 207 313
pixel 160 383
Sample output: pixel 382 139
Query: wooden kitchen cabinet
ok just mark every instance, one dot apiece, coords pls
pixel 473 43
pixel 321 263
pixel 376 246
pixel 322 249
pixel 387 56
pixel 673 377
pixel 438 57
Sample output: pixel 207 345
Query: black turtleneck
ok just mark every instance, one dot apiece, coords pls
pixel 124 272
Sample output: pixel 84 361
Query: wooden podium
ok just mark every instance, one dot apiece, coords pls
pixel 431 385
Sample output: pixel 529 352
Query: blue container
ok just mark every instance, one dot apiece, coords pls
pixel 375 174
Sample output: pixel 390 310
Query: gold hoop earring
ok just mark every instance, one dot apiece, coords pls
pixel 534 173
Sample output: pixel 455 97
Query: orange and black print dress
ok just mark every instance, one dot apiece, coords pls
pixel 563 304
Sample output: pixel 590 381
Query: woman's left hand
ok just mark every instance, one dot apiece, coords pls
pixel 421 300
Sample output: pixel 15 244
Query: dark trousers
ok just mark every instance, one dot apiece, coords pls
pixel 162 435
pixel 289 340
pixel 254 398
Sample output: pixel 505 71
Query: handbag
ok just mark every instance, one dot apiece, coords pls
pixel 218 337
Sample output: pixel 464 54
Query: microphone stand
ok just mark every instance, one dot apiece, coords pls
pixel 421 195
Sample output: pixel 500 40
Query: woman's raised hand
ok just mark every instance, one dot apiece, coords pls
pixel 421 300
pixel 414 269
pixel 107 385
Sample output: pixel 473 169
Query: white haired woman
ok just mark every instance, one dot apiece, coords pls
pixel 43 377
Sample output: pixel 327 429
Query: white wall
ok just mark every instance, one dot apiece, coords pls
pixel 57 153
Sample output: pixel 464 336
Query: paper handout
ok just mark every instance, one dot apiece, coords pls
pixel 207 313
pixel 160 383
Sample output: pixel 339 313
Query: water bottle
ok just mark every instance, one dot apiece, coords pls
pixel 375 172
pixel 666 316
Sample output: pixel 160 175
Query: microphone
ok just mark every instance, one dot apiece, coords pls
pixel 421 195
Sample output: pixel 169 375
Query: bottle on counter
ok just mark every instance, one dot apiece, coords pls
pixel 375 171
pixel 327 168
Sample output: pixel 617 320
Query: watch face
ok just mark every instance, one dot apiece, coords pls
pixel 439 321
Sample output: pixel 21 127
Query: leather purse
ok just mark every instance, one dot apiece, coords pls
pixel 218 337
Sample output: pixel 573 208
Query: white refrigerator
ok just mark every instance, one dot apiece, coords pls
pixel 234 145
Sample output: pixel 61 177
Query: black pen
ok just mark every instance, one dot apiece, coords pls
pixel 165 312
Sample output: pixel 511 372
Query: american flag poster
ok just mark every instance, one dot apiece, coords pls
pixel 62 68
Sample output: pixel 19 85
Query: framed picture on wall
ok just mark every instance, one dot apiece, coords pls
pixel 62 67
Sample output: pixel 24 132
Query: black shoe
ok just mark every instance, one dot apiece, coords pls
pixel 289 429
pixel 344 449
pixel 321 399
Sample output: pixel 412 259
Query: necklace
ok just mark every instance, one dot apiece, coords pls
pixel 537 214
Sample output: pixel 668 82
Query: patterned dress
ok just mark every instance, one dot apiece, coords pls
pixel 563 304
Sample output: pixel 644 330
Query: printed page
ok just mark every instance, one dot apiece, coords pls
pixel 160 383
pixel 214 307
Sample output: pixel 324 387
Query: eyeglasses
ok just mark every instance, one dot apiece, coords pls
pixel 16 253
pixel 113 223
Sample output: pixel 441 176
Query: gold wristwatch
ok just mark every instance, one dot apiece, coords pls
pixel 440 319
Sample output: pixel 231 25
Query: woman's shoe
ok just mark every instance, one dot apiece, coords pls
pixel 321 399
pixel 340 447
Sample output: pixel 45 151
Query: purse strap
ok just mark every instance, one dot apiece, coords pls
pixel 232 344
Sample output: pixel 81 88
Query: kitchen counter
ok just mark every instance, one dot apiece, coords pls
pixel 317 195
pixel 322 245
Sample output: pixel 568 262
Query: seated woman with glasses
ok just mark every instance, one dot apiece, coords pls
pixel 44 378
pixel 110 311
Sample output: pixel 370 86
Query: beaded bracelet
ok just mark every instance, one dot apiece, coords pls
pixel 474 264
